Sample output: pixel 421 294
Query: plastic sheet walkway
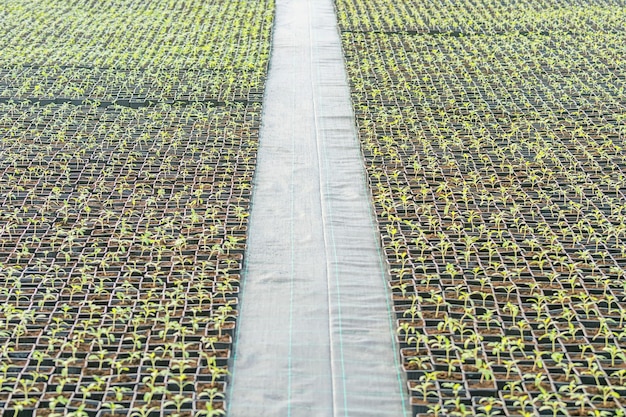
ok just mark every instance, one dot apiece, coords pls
pixel 315 332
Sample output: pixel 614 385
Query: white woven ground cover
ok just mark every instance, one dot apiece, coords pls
pixel 315 336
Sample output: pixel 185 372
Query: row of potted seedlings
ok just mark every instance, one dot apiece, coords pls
pixel 118 264
pixel 148 52
pixel 127 158
pixel 497 176
pixel 484 17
